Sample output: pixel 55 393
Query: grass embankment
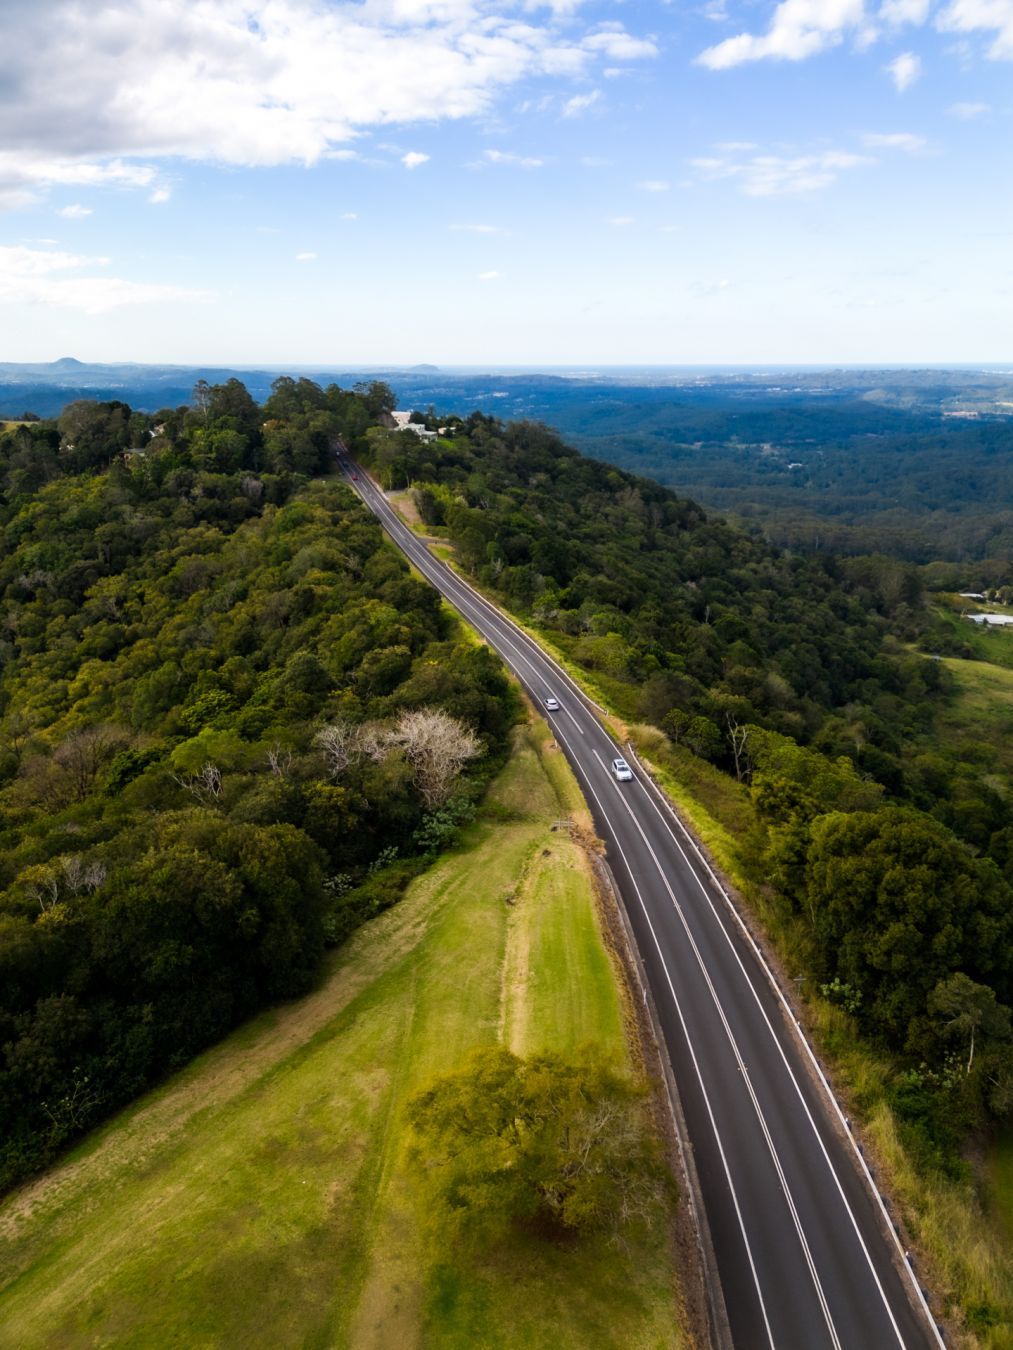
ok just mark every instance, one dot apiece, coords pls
pixel 263 1198
pixel 988 642
pixel 981 712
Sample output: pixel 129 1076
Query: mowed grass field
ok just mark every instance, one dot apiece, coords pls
pixel 982 709
pixel 264 1197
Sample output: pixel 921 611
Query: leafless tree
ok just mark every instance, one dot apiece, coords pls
pixel 437 746
pixel 205 785
pixel 45 890
pixel 279 760
pixel 82 876
pixel 83 754
pixel 339 745
pixel 738 737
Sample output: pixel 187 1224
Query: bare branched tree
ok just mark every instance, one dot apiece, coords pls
pixel 46 891
pixel 81 876
pixel 279 760
pixel 205 785
pixel 437 746
pixel 738 737
pixel 338 743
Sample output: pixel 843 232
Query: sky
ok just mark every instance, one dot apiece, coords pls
pixel 293 182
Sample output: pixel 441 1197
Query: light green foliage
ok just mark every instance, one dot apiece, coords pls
pixel 541 1140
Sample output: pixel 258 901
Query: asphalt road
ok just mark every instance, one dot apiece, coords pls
pixel 801 1240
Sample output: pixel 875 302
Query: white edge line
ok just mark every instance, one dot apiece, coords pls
pixel 509 623
pixel 743 1070
pixel 803 1040
pixel 689 1044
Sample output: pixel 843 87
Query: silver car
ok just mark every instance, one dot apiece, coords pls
pixel 621 771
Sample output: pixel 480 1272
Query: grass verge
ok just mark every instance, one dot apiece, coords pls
pixel 262 1197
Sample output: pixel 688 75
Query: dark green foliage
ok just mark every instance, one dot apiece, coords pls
pixel 178 625
pixel 898 905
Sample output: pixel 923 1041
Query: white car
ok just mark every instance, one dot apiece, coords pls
pixel 621 771
pixel 552 704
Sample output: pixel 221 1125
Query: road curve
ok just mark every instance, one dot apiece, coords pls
pixel 802 1243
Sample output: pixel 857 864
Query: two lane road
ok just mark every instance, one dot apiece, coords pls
pixel 804 1252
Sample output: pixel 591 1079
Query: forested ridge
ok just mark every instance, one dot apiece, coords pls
pixel 799 677
pixel 231 725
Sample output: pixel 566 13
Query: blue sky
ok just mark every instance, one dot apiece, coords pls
pixel 463 181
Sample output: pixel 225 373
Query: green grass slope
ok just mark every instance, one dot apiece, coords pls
pixel 263 1196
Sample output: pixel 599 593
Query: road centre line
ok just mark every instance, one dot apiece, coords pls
pixel 737 1053
pixel 812 1057
pixel 689 1045
pixel 472 603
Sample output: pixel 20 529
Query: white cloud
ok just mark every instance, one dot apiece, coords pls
pixel 478 229
pixel 305 257
pixel 580 103
pixel 967 111
pixel 612 41
pixel 898 12
pixel 781 175
pixel 508 157
pixel 488 276
pixel 18 261
pixel 74 212
pixel 349 215
pixel 37 277
pixel 160 196
pixel 798 29
pixel 904 70
pixel 620 220
pixel 994 17
pixel 25 173
pixel 654 185
pixel 894 140
pixel 260 82
pixel 413 159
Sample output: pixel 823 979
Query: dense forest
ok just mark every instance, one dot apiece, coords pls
pixel 231 725
pixel 851 479
pixel 801 677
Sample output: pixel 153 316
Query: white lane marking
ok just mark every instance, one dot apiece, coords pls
pixel 485 605
pixel 499 621
pixel 733 1043
pixel 784 1059
pixel 689 1043
pixel 574 720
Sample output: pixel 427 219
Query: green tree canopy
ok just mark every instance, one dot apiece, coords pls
pixel 898 904
pixel 539 1140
